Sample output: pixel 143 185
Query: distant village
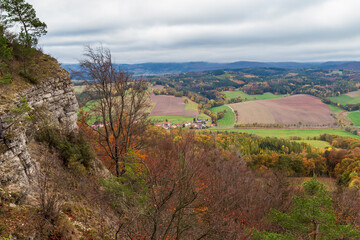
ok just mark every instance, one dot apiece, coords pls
pixel 196 124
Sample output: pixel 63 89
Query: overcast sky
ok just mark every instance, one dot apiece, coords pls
pixel 138 31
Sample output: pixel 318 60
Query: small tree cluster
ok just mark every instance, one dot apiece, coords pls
pixel 22 15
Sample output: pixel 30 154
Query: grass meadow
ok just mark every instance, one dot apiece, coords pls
pixel 172 119
pixel 190 105
pixel 228 120
pixel 334 108
pixel 247 97
pixel 176 119
pixel 315 143
pixel 303 133
pixel 354 117
pixel 345 99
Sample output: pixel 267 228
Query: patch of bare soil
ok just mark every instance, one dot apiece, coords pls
pixel 170 106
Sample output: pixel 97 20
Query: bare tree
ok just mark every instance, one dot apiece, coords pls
pixel 119 105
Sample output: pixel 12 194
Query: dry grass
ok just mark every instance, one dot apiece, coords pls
pixel 42 67
pixel 353 94
pixel 84 206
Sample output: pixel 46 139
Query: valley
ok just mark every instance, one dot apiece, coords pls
pixel 172 125
pixel 266 101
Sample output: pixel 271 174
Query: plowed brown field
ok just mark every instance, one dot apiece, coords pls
pixel 170 106
pixel 308 110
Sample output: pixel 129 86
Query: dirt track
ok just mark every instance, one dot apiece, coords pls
pixel 302 108
pixel 170 106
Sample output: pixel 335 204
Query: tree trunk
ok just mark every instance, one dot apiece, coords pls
pixel 117 162
pixel 316 234
pixel 118 169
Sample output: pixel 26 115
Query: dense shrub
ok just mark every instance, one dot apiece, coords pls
pixel 27 77
pixel 6 79
pixel 74 149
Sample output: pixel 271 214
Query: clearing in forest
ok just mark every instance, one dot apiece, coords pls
pixel 297 109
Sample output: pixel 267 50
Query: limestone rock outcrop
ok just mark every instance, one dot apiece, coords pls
pixel 55 94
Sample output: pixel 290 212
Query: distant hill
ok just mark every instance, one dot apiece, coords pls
pixel 353 66
pixel 146 69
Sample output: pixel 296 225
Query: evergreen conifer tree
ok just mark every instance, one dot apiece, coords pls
pixel 311 217
pixel 22 13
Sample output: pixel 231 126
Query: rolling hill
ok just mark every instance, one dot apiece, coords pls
pixel 146 69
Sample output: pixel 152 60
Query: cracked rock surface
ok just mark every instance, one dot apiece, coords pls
pixel 56 95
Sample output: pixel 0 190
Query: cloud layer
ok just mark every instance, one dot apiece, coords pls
pixel 203 30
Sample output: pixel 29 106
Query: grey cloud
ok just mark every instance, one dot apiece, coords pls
pixel 208 30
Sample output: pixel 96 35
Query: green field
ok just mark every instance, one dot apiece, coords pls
pixel 334 108
pixel 247 97
pixel 89 105
pixel 303 133
pixel 315 143
pixel 172 119
pixel 190 105
pixel 229 118
pixel 354 117
pixel 345 99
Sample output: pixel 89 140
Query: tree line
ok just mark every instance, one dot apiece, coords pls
pixel 347 107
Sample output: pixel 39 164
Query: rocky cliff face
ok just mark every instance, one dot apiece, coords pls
pixel 56 95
